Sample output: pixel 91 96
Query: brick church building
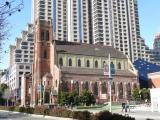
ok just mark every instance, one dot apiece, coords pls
pixel 67 66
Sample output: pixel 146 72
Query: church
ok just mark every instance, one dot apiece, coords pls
pixel 68 66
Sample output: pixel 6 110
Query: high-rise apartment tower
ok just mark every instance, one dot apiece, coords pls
pixel 42 9
pixel 72 20
pixel 107 22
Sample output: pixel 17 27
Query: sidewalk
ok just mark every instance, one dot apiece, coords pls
pixel 39 116
pixel 141 112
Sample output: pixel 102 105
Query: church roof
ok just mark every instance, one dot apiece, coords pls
pixel 90 71
pixel 88 49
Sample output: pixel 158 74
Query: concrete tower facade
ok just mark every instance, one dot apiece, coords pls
pixel 72 20
pixel 42 9
pixel 116 23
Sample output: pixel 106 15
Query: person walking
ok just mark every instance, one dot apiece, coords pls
pixel 127 105
pixel 123 106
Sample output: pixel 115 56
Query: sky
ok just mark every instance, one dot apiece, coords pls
pixel 149 19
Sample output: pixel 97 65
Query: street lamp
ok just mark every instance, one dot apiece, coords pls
pixel 109 70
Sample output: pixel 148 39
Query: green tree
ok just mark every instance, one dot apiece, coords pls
pixel 87 98
pixel 73 98
pixel 136 94
pixel 145 94
pixel 62 98
pixel 3 88
pixel 68 98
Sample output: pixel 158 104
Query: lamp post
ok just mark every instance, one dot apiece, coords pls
pixel 109 70
pixel 110 81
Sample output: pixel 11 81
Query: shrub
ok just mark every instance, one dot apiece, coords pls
pixel 82 115
pixel 22 109
pixel 106 115
pixel 66 113
pixel 39 110
pixel 12 108
pixel 29 110
pixel 46 111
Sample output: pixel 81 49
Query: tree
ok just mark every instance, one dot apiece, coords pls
pixel 73 98
pixel 7 95
pixel 136 94
pixel 87 98
pixel 3 88
pixel 145 94
pixel 7 8
pixel 62 98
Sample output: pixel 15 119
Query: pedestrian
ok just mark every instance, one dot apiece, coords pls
pixel 128 105
pixel 123 106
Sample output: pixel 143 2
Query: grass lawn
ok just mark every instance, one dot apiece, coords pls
pixel 98 108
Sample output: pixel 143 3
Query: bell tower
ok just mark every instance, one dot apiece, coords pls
pixel 41 65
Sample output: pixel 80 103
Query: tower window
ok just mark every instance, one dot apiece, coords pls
pixel 45 54
pixel 96 64
pixel 61 62
pixel 79 63
pixel 119 65
pixel 42 35
pixel 88 63
pixel 47 35
pixel 70 62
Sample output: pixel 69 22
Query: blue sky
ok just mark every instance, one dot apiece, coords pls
pixel 149 18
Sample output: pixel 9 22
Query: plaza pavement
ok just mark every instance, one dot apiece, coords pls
pixel 139 112
pixel 8 115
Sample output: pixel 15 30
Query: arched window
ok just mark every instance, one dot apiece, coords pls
pixel 76 87
pixel 103 88
pixel 120 90
pixel 42 35
pixel 88 63
pixel 65 86
pixel 56 83
pixel 104 63
pixel 79 63
pixel 85 86
pixel 47 35
pixel 60 61
pixel 128 89
pixel 45 54
pixel 119 65
pixel 96 64
pixel 95 89
pixel 70 62
pixel 113 88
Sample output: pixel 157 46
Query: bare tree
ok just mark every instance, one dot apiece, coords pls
pixel 7 8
